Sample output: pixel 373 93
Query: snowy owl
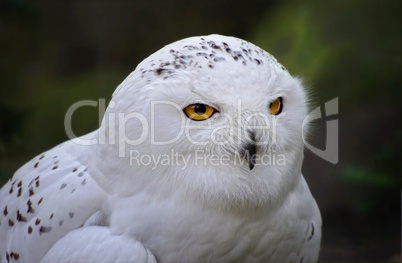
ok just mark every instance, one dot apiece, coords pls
pixel 198 159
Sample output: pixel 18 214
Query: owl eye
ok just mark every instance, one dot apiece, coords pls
pixel 199 111
pixel 276 106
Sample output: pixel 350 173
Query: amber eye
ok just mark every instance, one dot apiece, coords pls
pixel 199 111
pixel 276 106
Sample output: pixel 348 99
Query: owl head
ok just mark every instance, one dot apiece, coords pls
pixel 211 117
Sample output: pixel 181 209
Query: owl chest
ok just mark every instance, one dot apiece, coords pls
pixel 185 233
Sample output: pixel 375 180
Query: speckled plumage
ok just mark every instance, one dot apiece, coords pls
pixel 92 203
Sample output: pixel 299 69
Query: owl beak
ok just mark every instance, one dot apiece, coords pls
pixel 250 151
pixel 250 154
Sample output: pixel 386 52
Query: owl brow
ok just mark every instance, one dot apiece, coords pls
pixel 202 97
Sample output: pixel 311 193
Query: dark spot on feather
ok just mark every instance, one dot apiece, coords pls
pixel 301 260
pixel 61 222
pixel 55 167
pixel 36 165
pixel 202 54
pixel 213 45
pixel 40 200
pixel 159 71
pixel 31 191
pixel 19 184
pixel 5 211
pixel 11 190
pixel 51 216
pixel 62 186
pixel 74 170
pixel 30 209
pixel 19 192
pixel 80 174
pixel 312 232
pixel 14 255
pixel 29 230
pixel 10 222
pixel 257 61
pixel 219 59
pixel 37 222
pixel 84 182
pixel 20 217
pixel 37 183
pixel 71 215
pixel 43 156
pixel 44 229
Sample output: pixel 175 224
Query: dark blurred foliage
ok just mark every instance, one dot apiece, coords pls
pixel 53 54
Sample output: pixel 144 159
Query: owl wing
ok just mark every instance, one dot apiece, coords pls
pixel 47 198
pixel 79 245
pixel 309 223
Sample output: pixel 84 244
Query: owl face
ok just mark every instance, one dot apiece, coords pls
pixel 229 118
pixel 210 97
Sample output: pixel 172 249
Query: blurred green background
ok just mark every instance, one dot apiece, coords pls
pixel 53 54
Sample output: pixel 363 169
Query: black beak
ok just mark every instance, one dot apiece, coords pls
pixel 250 151
pixel 250 154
